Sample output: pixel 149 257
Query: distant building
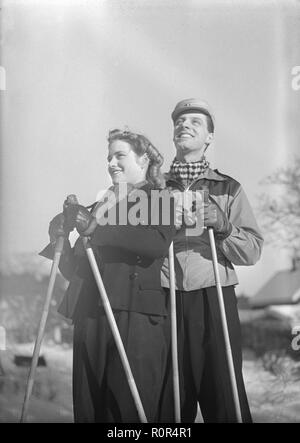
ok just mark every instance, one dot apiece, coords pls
pixel 22 297
pixel 282 289
pixel 274 312
pixel 243 302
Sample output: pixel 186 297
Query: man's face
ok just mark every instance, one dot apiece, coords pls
pixel 191 132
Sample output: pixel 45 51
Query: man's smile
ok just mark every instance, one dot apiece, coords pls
pixel 184 134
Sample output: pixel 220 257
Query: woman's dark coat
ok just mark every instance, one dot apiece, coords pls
pixel 129 259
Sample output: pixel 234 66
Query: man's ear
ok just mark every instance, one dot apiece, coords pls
pixel 210 137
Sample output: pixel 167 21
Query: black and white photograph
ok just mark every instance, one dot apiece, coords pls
pixel 150 213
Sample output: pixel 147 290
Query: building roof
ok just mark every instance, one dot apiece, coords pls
pixel 283 288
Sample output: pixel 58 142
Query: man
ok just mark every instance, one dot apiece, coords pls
pixel 204 374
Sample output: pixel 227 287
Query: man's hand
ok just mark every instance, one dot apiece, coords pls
pixel 79 217
pixel 188 208
pixel 57 228
pixel 217 219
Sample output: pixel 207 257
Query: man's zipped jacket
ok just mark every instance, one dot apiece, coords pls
pixel 193 256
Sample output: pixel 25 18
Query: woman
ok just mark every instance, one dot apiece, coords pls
pixel 129 257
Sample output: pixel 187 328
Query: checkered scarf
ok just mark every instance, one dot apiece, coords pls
pixel 187 172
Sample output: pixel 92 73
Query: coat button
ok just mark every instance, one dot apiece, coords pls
pixel 133 276
pixel 138 259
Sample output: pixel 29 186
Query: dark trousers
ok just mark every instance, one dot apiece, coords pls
pixel 204 375
pixel 100 387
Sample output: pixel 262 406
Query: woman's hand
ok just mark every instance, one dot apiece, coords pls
pixel 57 228
pixel 79 217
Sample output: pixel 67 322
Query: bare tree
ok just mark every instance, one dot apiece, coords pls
pixel 280 208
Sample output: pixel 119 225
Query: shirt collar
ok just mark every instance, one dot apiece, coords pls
pixel 209 174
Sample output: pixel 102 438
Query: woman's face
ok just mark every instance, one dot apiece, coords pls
pixel 124 166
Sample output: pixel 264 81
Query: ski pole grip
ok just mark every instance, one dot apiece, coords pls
pixel 59 245
pixel 72 200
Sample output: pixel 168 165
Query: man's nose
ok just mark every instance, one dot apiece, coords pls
pixel 185 124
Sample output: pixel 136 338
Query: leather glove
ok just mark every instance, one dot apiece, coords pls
pixel 79 217
pixel 217 219
pixel 189 208
pixel 57 228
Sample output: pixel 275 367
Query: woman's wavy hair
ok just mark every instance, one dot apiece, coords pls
pixel 141 145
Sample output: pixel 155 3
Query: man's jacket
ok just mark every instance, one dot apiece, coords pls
pixel 193 257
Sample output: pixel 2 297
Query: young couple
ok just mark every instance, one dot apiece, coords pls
pixel 133 262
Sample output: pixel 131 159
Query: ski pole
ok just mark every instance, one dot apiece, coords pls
pixel 72 199
pixel 174 335
pixel 57 254
pixel 115 331
pixel 225 327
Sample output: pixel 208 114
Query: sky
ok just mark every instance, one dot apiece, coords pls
pixel 76 69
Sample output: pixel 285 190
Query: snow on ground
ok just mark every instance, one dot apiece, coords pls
pixel 52 394
pixel 272 397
